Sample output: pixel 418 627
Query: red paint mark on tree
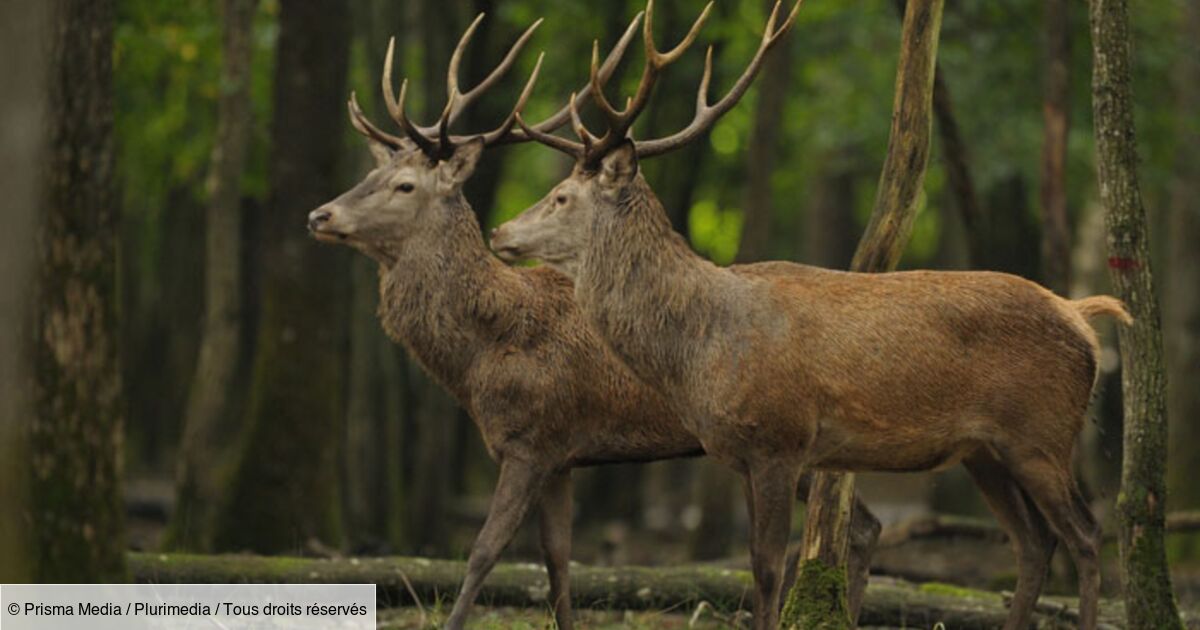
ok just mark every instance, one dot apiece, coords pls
pixel 1123 264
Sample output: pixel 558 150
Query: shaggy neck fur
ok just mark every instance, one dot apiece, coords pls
pixel 645 290
pixel 445 297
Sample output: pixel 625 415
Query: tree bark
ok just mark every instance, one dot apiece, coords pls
pixel 197 485
pixel 1056 107
pixel 75 514
pixel 958 174
pixel 1150 602
pixel 888 602
pixel 1182 298
pixel 23 60
pixel 822 572
pixel 285 487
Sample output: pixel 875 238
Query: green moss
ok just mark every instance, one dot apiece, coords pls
pixel 951 590
pixel 818 599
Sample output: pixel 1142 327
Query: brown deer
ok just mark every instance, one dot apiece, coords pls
pixel 510 345
pixel 780 368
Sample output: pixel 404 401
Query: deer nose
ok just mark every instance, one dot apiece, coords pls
pixel 317 217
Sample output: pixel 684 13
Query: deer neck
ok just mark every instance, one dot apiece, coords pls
pixel 644 289
pixel 445 298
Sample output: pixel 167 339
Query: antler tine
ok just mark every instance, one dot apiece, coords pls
pixel 503 133
pixel 580 129
pixel 367 128
pixel 707 115
pixel 570 147
pixel 412 131
pixel 456 58
pixel 465 99
pixel 662 59
pixel 563 115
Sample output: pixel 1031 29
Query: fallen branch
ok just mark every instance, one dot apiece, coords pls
pixel 400 580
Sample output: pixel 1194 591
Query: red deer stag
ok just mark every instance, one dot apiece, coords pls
pixel 509 344
pixel 780 368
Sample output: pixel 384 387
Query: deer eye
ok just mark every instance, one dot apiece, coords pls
pixel 406 187
pixel 560 200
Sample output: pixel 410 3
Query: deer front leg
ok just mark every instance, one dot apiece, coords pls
pixel 516 490
pixel 773 486
pixel 556 543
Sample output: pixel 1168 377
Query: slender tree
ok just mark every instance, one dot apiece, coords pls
pixel 1182 298
pixel 1149 602
pixel 23 27
pixel 204 428
pixel 76 514
pixel 285 485
pixel 818 599
pixel 1056 105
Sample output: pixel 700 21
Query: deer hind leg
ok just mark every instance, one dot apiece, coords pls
pixel 1020 518
pixel 772 487
pixel 1048 481
pixel 555 525
pixel 519 484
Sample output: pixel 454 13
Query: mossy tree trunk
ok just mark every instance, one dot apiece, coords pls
pixel 285 485
pixel 205 428
pixel 818 599
pixel 1141 503
pixel 1182 298
pixel 75 512
pixel 23 28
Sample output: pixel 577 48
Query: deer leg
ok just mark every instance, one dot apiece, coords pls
pixel 1050 484
pixel 555 524
pixel 1031 536
pixel 516 490
pixel 773 488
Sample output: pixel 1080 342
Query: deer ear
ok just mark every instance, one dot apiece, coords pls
pixel 620 165
pixel 381 152
pixel 461 165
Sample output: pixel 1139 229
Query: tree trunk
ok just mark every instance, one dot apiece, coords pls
pixel 830 230
pixel 205 425
pixel 285 488
pixel 1183 300
pixel 818 599
pixel 23 60
pixel 76 515
pixel 761 153
pixel 1056 226
pixel 1149 600
pixel 958 174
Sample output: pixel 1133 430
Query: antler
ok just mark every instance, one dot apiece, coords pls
pixel 590 148
pixel 435 140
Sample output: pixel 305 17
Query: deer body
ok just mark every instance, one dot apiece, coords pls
pixel 900 371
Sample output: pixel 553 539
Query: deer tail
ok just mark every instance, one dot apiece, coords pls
pixel 1098 305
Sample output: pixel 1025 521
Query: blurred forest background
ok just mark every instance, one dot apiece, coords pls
pixel 319 435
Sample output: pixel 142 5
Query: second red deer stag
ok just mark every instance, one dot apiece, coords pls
pixel 509 344
pixel 779 368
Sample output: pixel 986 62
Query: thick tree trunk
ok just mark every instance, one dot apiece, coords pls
pixel 818 599
pixel 285 488
pixel 205 425
pixel 1150 602
pixel 830 231
pixel 1182 298
pixel 1056 106
pixel 23 60
pixel 75 514
pixel 888 602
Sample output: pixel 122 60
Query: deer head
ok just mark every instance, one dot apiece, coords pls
pixel 605 175
pixel 418 176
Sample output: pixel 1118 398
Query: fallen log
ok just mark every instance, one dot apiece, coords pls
pixel 399 580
